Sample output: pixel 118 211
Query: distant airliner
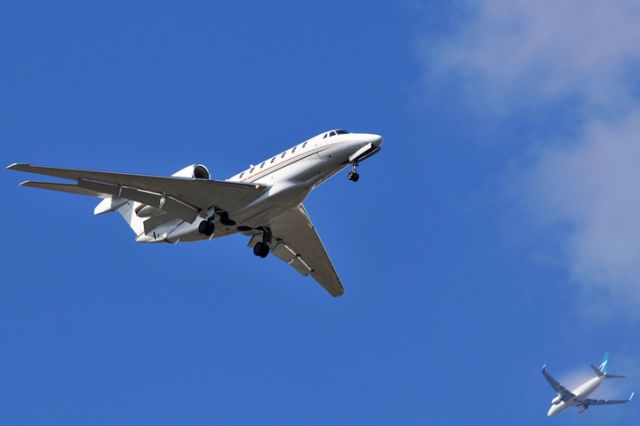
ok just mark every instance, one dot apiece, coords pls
pixel 263 202
pixel 578 397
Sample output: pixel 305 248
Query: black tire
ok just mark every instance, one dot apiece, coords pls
pixel 261 249
pixel 353 176
pixel 206 228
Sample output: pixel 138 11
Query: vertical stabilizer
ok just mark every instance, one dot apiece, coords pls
pixel 126 208
pixel 603 364
pixel 128 213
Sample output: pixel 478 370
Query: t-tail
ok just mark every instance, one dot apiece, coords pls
pixel 601 370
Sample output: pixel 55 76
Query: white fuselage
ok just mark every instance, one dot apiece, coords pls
pixel 290 176
pixel 581 392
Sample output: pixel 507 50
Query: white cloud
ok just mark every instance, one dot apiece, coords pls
pixel 593 186
pixel 508 49
pixel 580 53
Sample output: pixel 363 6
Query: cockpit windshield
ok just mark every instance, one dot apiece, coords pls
pixel 335 132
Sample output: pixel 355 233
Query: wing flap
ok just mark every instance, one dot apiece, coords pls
pixel 298 244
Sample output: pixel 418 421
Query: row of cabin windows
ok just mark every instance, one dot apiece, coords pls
pixel 326 135
pixel 274 159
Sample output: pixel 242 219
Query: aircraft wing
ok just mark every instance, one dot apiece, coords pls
pixel 588 401
pixel 296 242
pixel 560 390
pixel 180 197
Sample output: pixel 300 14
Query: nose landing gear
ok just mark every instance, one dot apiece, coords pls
pixel 353 175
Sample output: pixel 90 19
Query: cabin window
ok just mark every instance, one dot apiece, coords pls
pixel 241 174
pixel 273 159
pixel 283 154
pixel 304 144
pixel 294 149
pixel 262 165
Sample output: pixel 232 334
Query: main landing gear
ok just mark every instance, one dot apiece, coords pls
pixel 206 227
pixel 353 175
pixel 261 248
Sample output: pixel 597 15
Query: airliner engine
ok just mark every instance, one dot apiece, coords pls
pixel 194 171
pixel 556 400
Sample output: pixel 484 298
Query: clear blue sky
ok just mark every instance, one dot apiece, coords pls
pixel 453 298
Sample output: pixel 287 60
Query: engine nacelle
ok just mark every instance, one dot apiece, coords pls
pixel 557 400
pixel 195 171
pixel 582 408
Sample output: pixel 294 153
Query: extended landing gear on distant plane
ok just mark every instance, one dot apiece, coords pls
pixel 206 227
pixel 353 175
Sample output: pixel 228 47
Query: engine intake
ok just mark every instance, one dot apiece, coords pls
pixel 194 171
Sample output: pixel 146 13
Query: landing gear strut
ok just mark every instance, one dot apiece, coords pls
pixel 353 175
pixel 261 248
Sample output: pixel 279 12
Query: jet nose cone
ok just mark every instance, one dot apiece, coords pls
pixel 374 139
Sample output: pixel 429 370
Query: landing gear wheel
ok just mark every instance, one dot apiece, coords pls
pixel 206 228
pixel 261 249
pixel 353 176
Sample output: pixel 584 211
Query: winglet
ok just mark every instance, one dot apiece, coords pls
pixel 544 367
pixel 12 166
pixel 631 396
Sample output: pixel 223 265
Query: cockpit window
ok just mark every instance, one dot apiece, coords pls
pixel 332 134
pixel 342 132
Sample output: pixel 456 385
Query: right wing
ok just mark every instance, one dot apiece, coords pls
pixel 180 197
pixel 588 401
pixel 296 242
pixel 560 390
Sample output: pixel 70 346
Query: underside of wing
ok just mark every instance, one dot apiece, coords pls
pixel 560 390
pixel 180 197
pixel 63 187
pixel 296 242
pixel 588 401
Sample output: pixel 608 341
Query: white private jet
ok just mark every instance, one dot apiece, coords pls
pixel 578 397
pixel 263 202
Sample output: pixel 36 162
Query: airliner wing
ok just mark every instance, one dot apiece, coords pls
pixel 181 197
pixel 588 401
pixel 296 242
pixel 560 390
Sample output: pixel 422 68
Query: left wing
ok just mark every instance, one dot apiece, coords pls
pixel 295 240
pixel 181 197
pixel 560 390
pixel 588 401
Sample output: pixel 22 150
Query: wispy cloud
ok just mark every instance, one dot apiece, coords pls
pixel 566 56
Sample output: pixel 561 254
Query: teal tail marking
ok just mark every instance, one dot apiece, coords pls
pixel 603 364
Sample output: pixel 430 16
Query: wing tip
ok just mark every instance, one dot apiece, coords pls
pixel 14 166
